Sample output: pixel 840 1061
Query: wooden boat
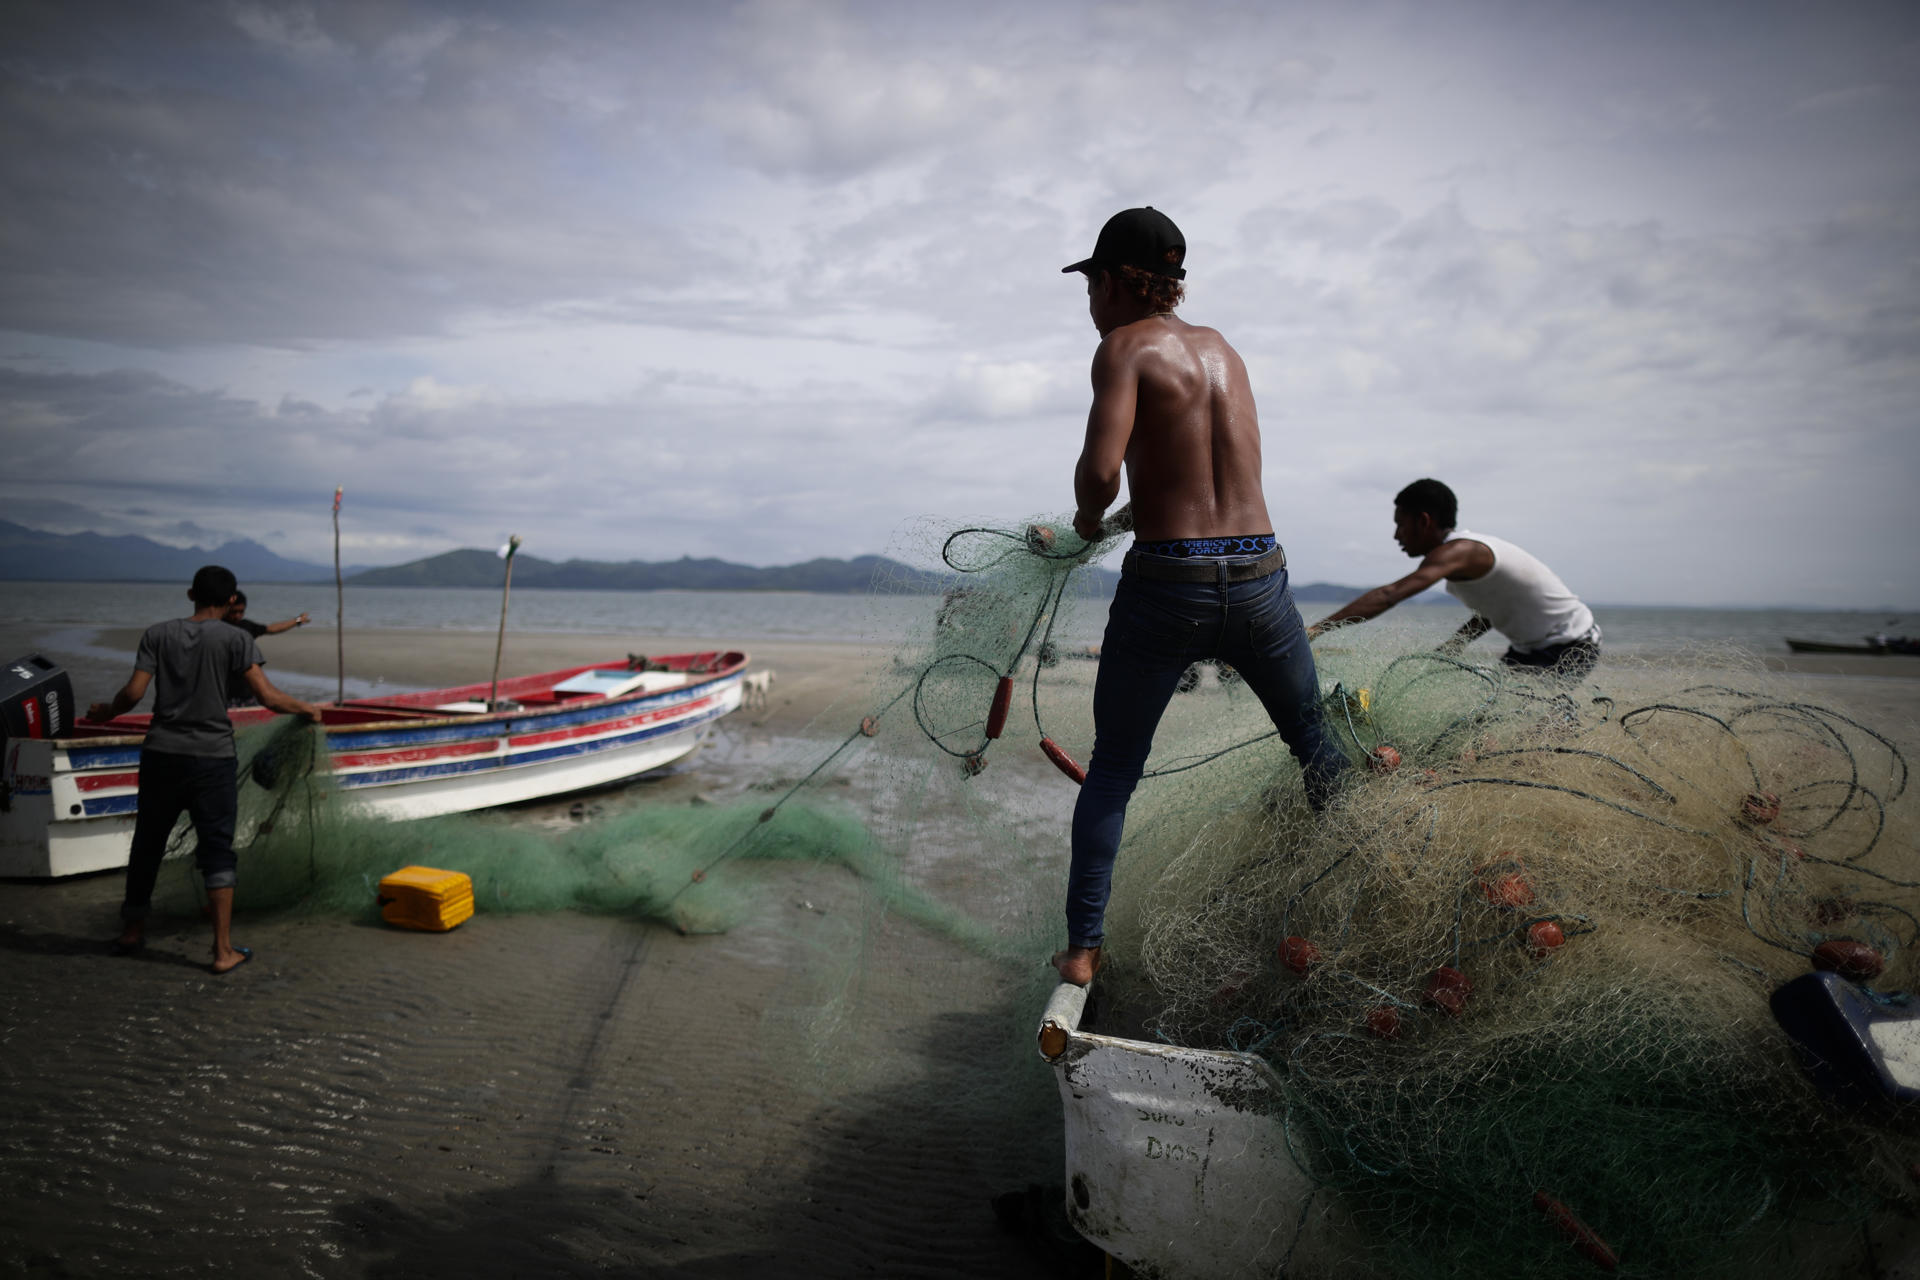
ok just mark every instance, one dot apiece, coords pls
pixel 69 802
pixel 1891 644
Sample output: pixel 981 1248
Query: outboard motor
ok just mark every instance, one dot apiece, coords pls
pixel 36 700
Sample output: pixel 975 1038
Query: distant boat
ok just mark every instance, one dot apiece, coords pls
pixel 1873 645
pixel 70 801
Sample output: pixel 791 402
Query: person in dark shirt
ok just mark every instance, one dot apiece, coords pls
pixel 237 617
pixel 187 762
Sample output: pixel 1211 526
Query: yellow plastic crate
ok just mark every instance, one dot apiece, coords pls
pixel 426 898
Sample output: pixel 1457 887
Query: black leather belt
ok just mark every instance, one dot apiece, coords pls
pixel 1163 569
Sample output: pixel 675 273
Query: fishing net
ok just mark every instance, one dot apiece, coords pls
pixel 1519 978
pixel 1514 982
pixel 305 848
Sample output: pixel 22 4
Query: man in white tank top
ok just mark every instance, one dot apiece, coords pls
pixel 1508 590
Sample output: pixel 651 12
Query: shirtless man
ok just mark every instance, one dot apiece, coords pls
pixel 187 761
pixel 1205 578
pixel 1508 590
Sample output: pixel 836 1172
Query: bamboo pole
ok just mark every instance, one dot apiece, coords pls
pixel 499 646
pixel 339 607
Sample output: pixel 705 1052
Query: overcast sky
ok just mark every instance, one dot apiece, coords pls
pixel 768 281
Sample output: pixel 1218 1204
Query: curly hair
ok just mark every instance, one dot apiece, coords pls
pixel 1162 293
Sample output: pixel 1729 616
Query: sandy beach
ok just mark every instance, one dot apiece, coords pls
pixel 534 1095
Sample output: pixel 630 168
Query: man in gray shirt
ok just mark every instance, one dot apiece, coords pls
pixel 187 762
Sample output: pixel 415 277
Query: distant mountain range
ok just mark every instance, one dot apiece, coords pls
pixel 30 555
pixel 484 569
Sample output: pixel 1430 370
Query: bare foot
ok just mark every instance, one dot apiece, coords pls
pixel 1077 964
pixel 231 960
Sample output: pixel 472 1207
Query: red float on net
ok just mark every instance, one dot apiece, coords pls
pixel 1448 988
pixel 1854 961
pixel 1503 883
pixel 1383 759
pixel 1062 761
pixel 1544 937
pixel 1299 955
pixel 1002 701
pixel 1384 1021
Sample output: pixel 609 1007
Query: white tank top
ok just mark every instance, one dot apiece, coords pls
pixel 1523 598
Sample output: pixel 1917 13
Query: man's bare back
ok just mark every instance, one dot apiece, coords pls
pixel 1172 403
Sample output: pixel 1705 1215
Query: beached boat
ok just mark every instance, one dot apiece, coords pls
pixel 1179 1161
pixel 1876 646
pixel 69 801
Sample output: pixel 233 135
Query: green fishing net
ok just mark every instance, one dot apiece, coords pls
pixel 303 848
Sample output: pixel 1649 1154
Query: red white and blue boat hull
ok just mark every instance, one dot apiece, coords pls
pixel 70 802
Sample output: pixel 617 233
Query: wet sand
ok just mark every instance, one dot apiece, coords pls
pixel 540 1095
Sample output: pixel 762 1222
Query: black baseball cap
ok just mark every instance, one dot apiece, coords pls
pixel 1145 238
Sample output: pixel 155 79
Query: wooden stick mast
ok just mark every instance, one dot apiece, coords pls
pixel 506 591
pixel 339 606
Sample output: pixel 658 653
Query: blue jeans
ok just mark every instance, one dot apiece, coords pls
pixel 1155 631
pixel 207 789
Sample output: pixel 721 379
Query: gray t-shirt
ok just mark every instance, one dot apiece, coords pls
pixel 196 668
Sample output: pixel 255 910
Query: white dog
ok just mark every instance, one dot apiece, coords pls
pixel 754 688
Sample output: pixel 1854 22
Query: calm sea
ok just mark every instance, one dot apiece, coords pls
pixel 61 619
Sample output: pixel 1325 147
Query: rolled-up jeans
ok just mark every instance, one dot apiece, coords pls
pixel 207 789
pixel 1155 631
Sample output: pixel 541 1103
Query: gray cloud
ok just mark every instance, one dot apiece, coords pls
pixel 258 180
pixel 766 280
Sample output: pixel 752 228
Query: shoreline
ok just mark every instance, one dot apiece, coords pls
pixel 423 656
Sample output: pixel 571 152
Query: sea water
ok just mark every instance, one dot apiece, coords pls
pixel 63 620
pixel 820 617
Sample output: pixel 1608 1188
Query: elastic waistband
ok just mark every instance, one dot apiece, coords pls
pixel 1204 569
pixel 1245 544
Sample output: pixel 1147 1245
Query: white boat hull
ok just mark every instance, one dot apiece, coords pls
pixel 513 784
pixel 1177 1159
pixel 68 804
